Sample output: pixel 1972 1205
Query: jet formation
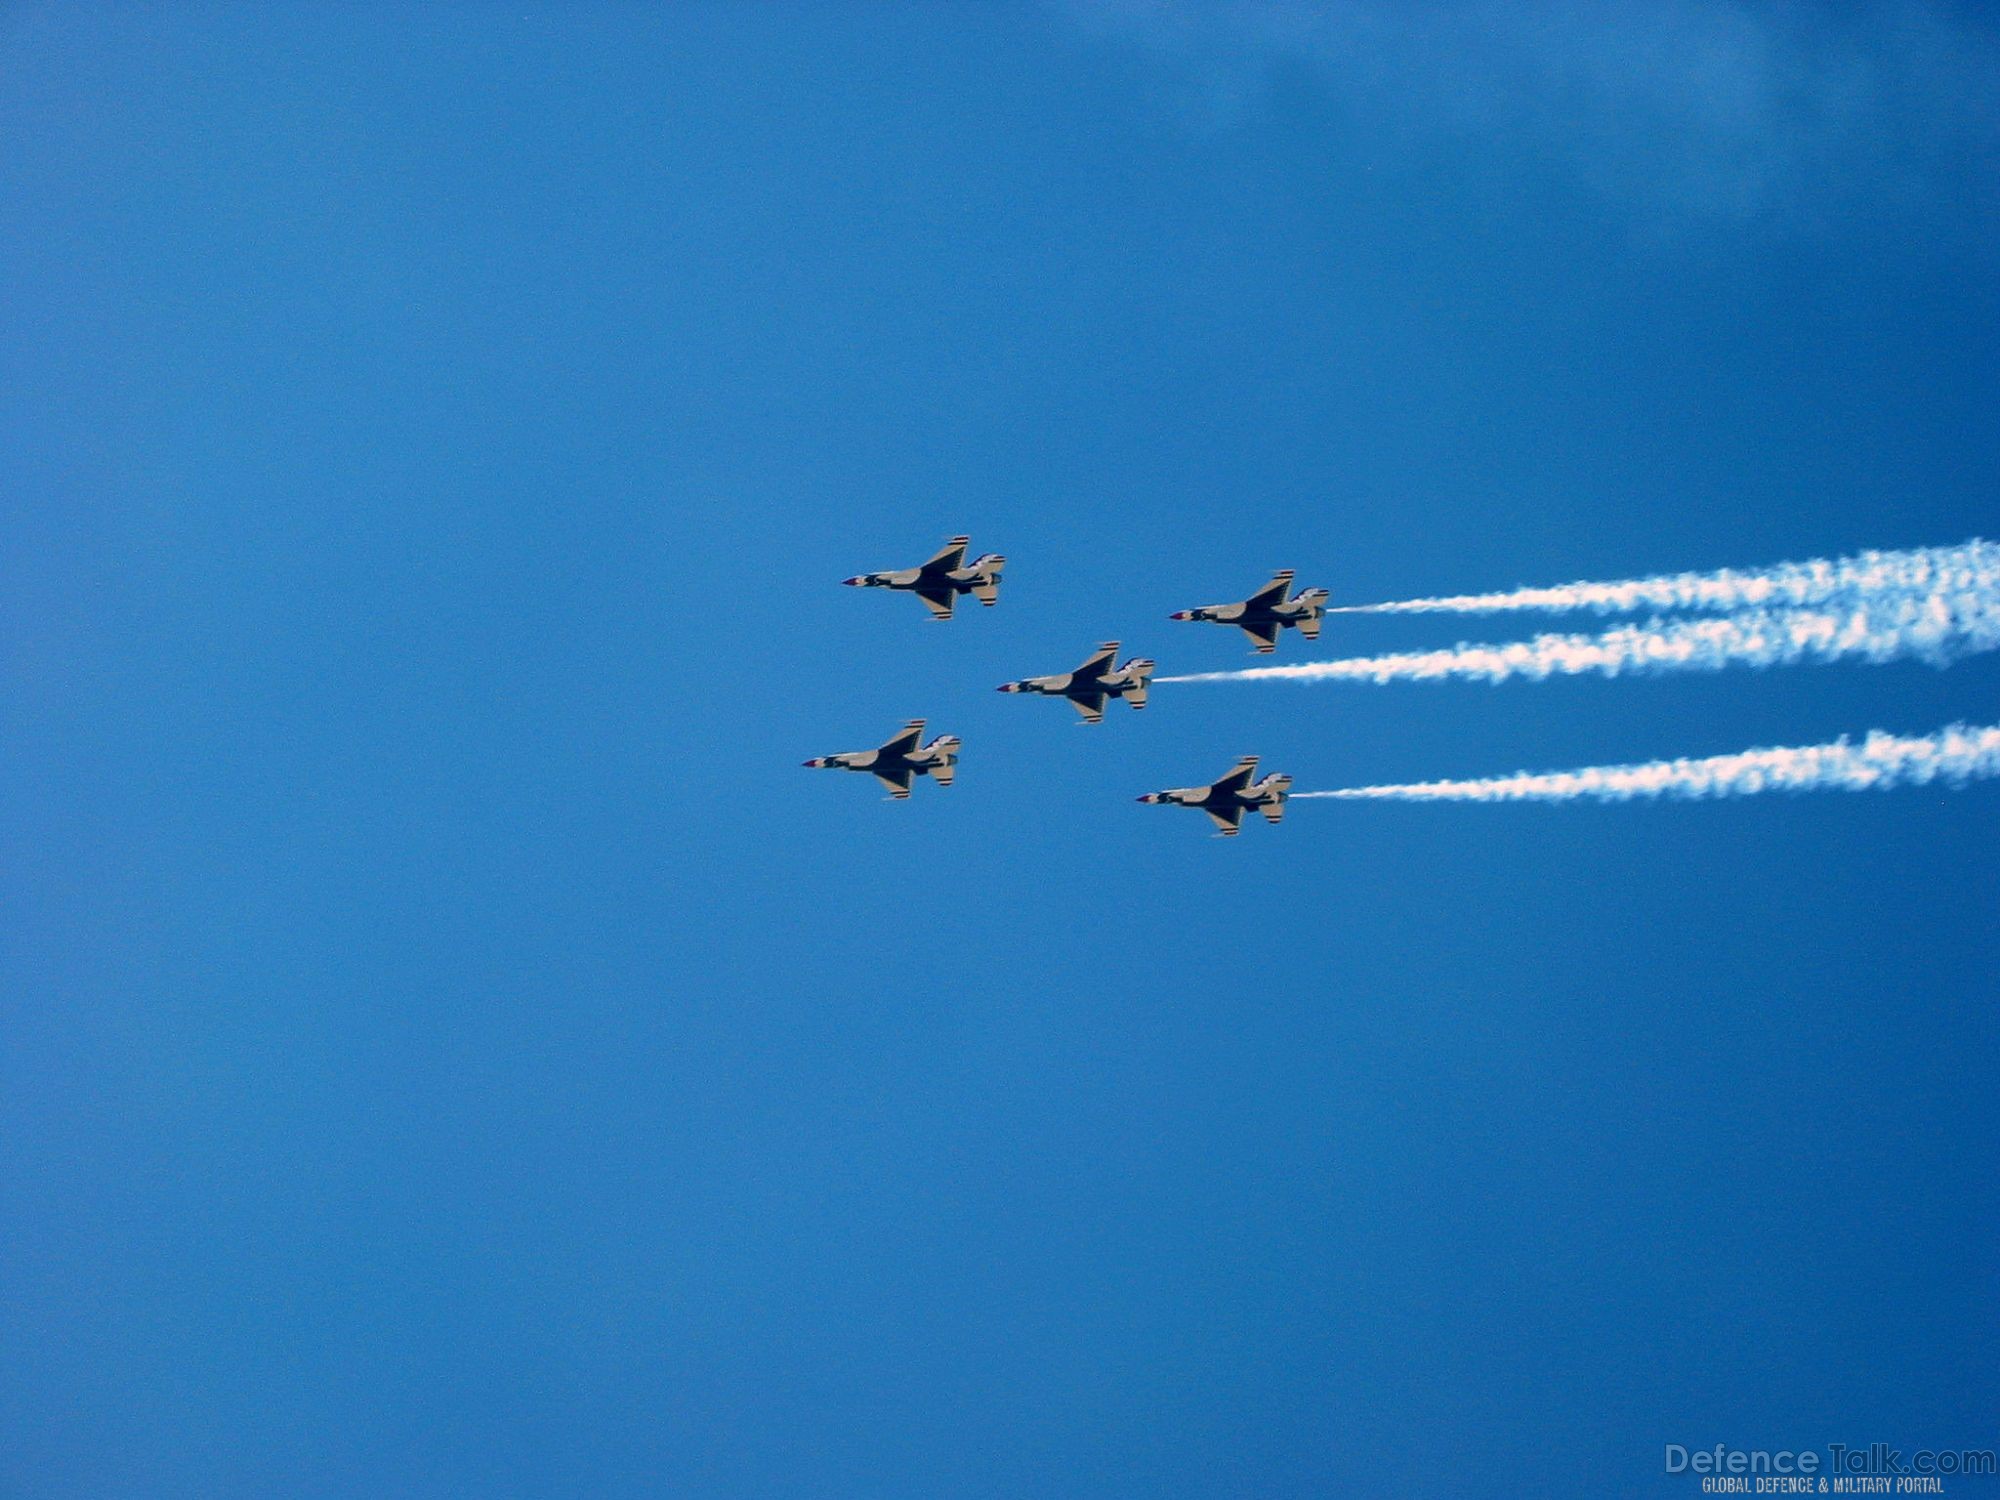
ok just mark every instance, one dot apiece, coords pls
pixel 939 582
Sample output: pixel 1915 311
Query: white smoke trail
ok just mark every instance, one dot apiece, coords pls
pixel 1952 756
pixel 1937 628
pixel 1972 567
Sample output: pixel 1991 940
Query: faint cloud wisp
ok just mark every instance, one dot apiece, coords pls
pixel 1683 110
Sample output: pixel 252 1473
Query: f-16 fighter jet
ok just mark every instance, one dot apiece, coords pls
pixel 1267 612
pixel 1090 684
pixel 940 581
pixel 1226 801
pixel 899 760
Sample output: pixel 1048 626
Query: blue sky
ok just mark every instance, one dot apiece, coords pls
pixel 452 1048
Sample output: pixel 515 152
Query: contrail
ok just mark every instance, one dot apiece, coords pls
pixel 1973 567
pixel 1937 628
pixel 1952 756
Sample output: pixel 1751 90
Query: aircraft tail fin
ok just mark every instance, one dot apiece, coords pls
pixel 945 747
pixel 1280 784
pixel 1315 602
pixel 1139 670
pixel 986 587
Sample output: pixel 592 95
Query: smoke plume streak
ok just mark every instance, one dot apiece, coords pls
pixel 1937 628
pixel 1880 762
pixel 1973 567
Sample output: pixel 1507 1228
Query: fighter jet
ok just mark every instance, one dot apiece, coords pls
pixel 899 760
pixel 1226 801
pixel 940 581
pixel 1090 684
pixel 1267 612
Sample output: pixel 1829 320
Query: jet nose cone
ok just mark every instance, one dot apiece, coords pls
pixel 1180 614
pixel 852 582
pixel 1007 687
pixel 814 765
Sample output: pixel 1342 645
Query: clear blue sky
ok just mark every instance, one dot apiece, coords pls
pixel 452 1049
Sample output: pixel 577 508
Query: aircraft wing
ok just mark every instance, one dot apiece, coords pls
pixel 1265 635
pixel 897 781
pixel 1229 820
pixel 1090 705
pixel 953 556
pixel 904 740
pixel 937 601
pixel 1273 592
pixel 1097 663
pixel 1237 776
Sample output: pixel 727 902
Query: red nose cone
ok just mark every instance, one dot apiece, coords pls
pixel 853 583
pixel 1006 687
pixel 811 765
pixel 1179 614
